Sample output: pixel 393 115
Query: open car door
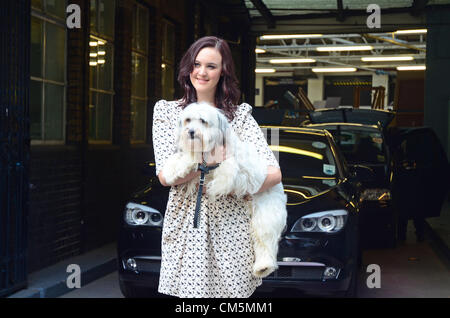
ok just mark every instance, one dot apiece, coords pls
pixel 421 171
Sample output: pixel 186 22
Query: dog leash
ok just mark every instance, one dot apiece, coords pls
pixel 204 170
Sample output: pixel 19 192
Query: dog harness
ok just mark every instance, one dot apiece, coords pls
pixel 204 170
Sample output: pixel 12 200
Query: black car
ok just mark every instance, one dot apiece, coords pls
pixel 364 146
pixel 319 252
pixel 405 162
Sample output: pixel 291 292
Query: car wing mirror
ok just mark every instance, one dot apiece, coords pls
pixel 362 173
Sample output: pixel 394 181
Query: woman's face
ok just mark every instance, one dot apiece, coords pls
pixel 207 70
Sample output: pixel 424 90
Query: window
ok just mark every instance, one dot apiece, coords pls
pixel 47 72
pixel 168 61
pixel 139 71
pixel 101 70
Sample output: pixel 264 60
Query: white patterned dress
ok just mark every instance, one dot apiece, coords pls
pixel 215 259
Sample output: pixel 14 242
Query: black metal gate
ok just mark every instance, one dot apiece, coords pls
pixel 14 142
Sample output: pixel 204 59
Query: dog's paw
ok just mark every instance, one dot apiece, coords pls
pixel 264 268
pixel 178 166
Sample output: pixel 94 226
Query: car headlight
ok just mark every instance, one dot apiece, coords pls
pixel 375 195
pixel 328 221
pixel 138 214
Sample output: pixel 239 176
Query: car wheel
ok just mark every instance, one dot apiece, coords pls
pixel 130 291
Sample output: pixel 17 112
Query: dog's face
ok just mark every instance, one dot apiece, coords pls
pixel 201 128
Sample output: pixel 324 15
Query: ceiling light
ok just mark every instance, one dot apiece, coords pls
pixel 93 43
pixel 416 31
pixel 411 68
pixel 289 36
pixel 101 53
pixel 260 51
pixel 333 69
pixel 386 58
pixel 344 48
pixel 92 63
pixel 265 70
pixel 101 61
pixel 281 61
pixel 92 54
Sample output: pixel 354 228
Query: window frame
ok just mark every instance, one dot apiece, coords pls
pixel 94 34
pixel 46 18
pixel 164 61
pixel 145 56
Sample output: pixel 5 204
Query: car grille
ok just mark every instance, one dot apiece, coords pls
pixel 298 272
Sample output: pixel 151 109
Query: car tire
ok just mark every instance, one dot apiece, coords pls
pixel 131 291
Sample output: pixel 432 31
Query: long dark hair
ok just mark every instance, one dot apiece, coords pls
pixel 227 91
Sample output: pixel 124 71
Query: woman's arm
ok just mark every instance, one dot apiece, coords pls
pixel 189 177
pixel 273 178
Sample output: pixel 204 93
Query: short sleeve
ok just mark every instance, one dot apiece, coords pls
pixel 251 132
pixel 163 133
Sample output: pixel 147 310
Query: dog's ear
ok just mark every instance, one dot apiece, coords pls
pixel 178 133
pixel 223 126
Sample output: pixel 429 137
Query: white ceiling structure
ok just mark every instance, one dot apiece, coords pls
pixel 358 49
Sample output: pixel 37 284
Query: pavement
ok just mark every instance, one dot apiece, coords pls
pixel 51 282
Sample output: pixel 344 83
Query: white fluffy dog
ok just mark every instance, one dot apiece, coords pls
pixel 202 129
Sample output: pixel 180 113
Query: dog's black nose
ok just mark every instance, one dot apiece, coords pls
pixel 191 133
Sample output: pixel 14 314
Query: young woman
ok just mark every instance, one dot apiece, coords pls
pixel 215 259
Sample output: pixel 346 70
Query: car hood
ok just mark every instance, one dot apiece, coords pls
pixel 314 198
pixel 303 197
pixel 352 115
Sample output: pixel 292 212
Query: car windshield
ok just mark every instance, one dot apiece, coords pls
pixel 359 146
pixel 307 164
pixel 305 155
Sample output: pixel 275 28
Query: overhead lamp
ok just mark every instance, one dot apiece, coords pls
pixel 93 43
pixel 92 54
pixel 281 61
pixel 101 53
pixel 260 51
pixel 333 69
pixel 386 58
pixel 344 48
pixel 92 63
pixel 101 61
pixel 265 70
pixel 416 31
pixel 289 36
pixel 411 68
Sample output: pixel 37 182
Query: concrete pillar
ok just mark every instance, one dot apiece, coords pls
pixel 381 80
pixel 437 92
pixel 259 85
pixel 315 88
